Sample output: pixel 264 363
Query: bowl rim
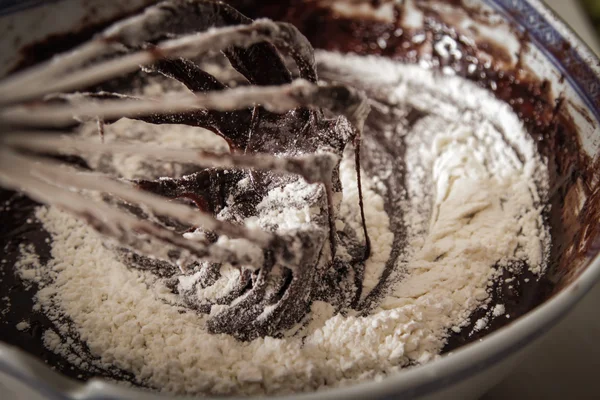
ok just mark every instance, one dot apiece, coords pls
pixel 450 369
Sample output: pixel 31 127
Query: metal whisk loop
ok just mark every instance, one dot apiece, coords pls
pixel 275 127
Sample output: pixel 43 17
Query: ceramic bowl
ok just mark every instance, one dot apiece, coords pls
pixel 519 37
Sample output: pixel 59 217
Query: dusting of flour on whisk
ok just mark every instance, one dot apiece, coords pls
pixel 474 197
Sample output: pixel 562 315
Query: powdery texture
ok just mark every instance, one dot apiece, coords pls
pixel 472 206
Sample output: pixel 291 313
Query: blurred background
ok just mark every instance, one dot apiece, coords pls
pixel 592 9
pixel 583 16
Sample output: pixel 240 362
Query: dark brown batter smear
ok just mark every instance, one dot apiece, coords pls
pixel 380 150
pixel 575 235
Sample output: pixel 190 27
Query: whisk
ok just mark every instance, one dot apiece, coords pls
pixel 277 127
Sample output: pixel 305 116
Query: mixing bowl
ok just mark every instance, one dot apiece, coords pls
pixel 527 56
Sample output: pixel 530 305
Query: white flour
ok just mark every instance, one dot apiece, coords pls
pixel 473 205
pixel 137 166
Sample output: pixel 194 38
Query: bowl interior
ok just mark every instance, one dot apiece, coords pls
pixel 523 55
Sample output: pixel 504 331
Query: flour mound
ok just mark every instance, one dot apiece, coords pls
pixel 472 206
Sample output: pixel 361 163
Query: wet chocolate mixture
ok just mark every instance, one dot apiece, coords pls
pixel 574 235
